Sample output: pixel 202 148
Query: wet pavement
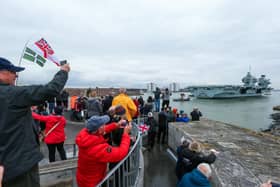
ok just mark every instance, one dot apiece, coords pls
pixel 159 167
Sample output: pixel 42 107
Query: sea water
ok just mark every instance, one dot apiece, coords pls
pixel 253 113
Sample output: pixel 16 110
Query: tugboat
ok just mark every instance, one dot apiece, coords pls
pixel 182 98
pixel 252 87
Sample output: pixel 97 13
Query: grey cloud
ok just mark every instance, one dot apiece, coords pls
pixel 135 42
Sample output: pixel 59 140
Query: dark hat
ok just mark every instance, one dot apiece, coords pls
pixel 95 122
pixel 119 110
pixel 7 65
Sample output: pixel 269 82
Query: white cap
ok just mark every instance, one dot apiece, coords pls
pixel 150 114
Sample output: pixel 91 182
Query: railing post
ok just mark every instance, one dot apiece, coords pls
pixel 74 150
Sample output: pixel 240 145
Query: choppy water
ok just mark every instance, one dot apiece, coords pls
pixel 252 113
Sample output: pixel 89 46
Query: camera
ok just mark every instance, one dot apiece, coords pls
pixel 63 62
pixel 124 124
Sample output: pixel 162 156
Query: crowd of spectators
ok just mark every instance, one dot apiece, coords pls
pixel 30 112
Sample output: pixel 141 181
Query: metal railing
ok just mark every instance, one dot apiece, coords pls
pixel 124 174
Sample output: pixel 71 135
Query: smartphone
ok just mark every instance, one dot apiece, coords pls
pixel 63 62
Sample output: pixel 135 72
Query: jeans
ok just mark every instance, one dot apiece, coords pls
pixel 157 104
pixel 51 108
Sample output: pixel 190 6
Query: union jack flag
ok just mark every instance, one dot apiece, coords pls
pixel 45 47
pixel 48 52
pixel 143 128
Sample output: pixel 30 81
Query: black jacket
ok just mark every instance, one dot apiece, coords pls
pixel 19 150
pixel 196 115
pixel 162 120
pixel 189 160
pixel 94 107
pixel 153 125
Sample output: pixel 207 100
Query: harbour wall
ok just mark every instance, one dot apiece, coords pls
pixel 246 157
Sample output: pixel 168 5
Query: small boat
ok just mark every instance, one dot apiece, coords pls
pixel 182 98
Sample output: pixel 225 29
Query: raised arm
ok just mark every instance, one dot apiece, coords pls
pixel 40 117
pixel 37 94
pixel 115 154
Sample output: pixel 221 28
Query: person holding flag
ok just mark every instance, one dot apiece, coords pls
pixel 20 151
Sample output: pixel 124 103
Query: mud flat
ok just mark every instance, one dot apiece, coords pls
pixel 246 157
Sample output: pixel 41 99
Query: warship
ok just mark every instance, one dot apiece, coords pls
pixel 252 87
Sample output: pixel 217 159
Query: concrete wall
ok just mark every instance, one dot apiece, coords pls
pixel 246 158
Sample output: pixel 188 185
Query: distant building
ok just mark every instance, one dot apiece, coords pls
pixel 151 87
pixel 101 91
pixel 174 87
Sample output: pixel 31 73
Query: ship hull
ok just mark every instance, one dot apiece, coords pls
pixel 248 89
pixel 228 96
pixel 220 93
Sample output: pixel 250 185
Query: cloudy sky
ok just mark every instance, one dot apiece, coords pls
pixel 112 43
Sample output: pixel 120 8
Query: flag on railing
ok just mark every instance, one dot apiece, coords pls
pixel 143 128
pixel 39 52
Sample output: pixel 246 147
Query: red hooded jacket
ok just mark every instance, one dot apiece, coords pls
pixel 95 153
pixel 58 134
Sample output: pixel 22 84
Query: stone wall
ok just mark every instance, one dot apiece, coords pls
pixel 246 157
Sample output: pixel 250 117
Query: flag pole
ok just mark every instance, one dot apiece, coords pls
pixel 19 63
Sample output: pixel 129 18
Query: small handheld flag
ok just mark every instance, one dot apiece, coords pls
pixel 32 56
pixel 143 128
pixel 39 52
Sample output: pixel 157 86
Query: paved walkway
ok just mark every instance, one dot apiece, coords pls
pixel 159 168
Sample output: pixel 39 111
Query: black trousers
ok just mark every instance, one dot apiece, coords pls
pixel 29 178
pixel 165 102
pixel 151 139
pixel 60 148
pixel 163 132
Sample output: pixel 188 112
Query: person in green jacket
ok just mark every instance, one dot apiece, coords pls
pixel 19 148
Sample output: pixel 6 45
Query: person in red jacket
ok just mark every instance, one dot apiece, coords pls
pixel 94 151
pixel 54 132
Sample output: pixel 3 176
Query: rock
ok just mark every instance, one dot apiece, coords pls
pixel 276 107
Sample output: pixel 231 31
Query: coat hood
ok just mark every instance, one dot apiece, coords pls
pixel 84 139
pixel 198 179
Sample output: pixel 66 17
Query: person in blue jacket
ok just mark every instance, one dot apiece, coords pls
pixel 199 177
pixel 183 118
